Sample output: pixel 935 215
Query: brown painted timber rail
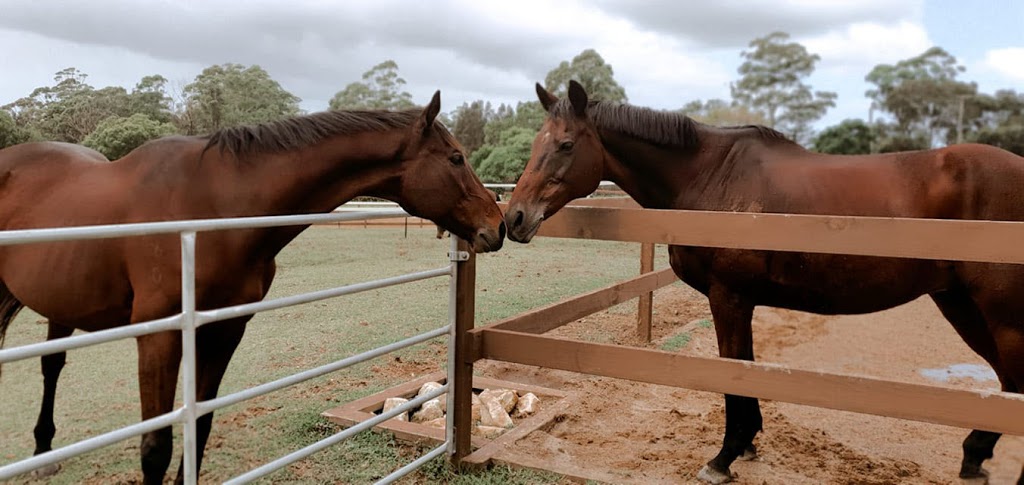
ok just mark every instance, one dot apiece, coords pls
pixel 942 239
pixel 516 339
pixel 991 411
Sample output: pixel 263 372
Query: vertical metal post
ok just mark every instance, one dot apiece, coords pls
pixel 453 302
pixel 460 370
pixel 188 352
pixel 646 307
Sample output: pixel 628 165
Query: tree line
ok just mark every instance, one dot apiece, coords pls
pixel 916 103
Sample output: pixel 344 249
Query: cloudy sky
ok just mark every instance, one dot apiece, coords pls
pixel 664 52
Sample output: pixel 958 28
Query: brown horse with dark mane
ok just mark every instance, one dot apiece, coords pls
pixel 302 165
pixel 668 161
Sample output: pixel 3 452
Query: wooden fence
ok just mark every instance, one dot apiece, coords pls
pixel 520 339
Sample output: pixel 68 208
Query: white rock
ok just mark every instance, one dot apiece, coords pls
pixel 436 423
pixel 493 414
pixel 489 431
pixel 392 403
pixel 527 405
pixel 430 386
pixel 429 411
pixel 506 397
pixel 427 387
pixel 475 408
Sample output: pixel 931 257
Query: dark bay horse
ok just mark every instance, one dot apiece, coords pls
pixel 668 161
pixel 308 164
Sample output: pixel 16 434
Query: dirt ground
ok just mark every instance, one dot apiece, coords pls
pixel 625 432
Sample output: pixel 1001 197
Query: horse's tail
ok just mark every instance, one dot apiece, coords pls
pixel 9 308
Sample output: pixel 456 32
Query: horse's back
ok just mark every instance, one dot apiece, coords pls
pixel 47 152
pixel 958 182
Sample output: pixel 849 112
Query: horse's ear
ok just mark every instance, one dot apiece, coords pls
pixel 430 113
pixel 547 100
pixel 578 98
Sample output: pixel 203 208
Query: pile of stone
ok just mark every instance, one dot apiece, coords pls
pixel 494 410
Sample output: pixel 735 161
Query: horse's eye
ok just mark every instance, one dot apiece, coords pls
pixel 565 146
pixel 456 159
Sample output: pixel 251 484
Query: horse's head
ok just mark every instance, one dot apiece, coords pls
pixel 566 163
pixel 438 184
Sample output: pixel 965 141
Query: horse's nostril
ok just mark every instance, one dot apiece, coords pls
pixel 519 219
pixel 501 231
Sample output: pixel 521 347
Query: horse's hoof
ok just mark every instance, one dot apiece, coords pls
pixel 977 478
pixel 46 471
pixel 749 454
pixel 712 476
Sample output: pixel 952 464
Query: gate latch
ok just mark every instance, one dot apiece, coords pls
pixel 458 256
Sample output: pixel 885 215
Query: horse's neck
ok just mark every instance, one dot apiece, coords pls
pixel 715 174
pixel 314 179
pixel 657 177
pixel 323 176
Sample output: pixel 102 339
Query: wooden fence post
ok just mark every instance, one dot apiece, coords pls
pixel 646 307
pixel 465 308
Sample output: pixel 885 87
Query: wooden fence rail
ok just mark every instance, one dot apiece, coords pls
pixel 517 339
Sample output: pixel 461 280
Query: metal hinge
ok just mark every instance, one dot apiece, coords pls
pixel 458 256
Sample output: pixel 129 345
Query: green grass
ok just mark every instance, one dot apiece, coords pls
pixel 98 390
pixel 676 342
pixel 705 323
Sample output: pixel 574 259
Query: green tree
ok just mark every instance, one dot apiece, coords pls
pixel 527 115
pixel 771 81
pixel 71 108
pixel 719 112
pixel 508 136
pixel 1010 138
pixel 589 69
pixel 470 121
pixel 381 88
pixel 232 94
pixel 923 96
pixel 505 161
pixel 116 136
pixel 10 132
pixel 850 137
pixel 1000 120
pixel 150 98
pixel 894 141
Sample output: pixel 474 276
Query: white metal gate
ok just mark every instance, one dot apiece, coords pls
pixel 189 319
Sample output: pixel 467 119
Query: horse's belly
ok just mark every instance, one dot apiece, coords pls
pixel 819 283
pixel 69 283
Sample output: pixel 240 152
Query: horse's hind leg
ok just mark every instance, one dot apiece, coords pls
pixel 159 357
pixel 1009 337
pixel 960 309
pixel 215 344
pixel 732 314
pixel 52 364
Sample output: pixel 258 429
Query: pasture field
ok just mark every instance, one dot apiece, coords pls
pixel 98 390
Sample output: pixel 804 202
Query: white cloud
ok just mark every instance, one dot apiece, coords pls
pixel 1008 62
pixel 863 45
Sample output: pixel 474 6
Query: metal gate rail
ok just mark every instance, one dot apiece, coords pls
pixel 189 319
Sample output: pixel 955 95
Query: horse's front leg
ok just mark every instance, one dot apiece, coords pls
pixel 215 344
pixel 159 357
pixel 45 429
pixel 732 314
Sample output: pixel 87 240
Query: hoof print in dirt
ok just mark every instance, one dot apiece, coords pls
pixel 46 471
pixel 980 478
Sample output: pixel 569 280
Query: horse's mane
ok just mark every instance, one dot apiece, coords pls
pixel 660 127
pixel 303 131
